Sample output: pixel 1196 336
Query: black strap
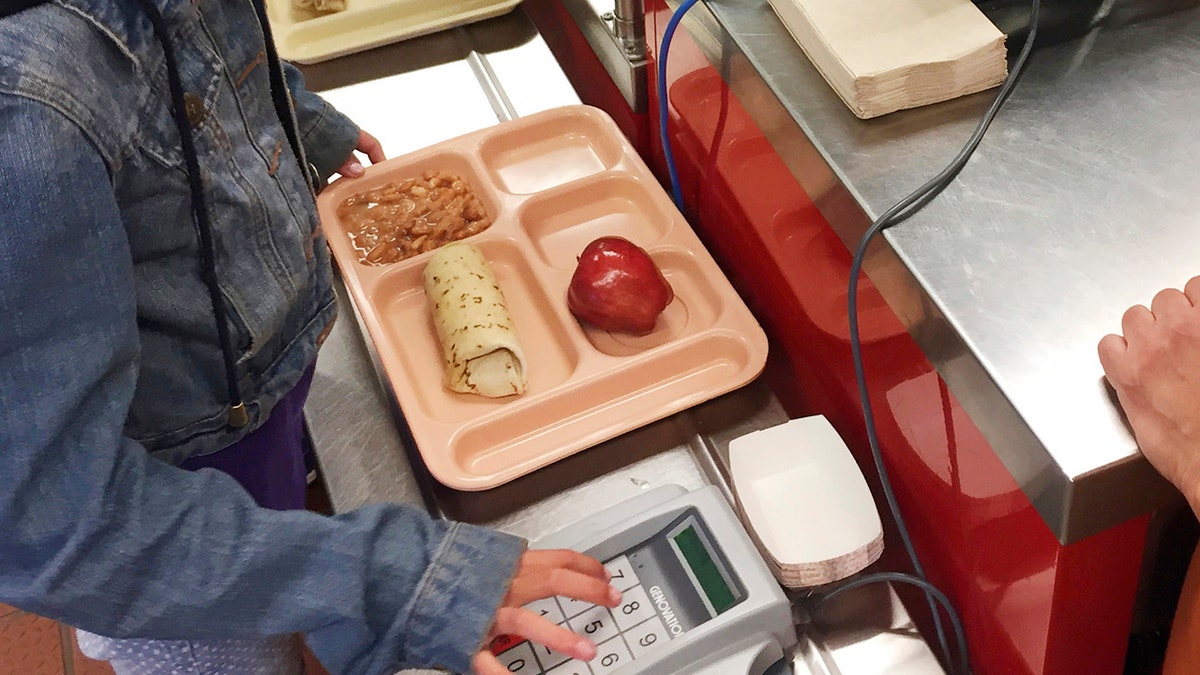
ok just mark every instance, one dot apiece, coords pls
pixel 10 7
pixel 199 206
pixel 199 211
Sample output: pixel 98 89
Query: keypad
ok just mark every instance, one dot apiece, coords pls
pixel 621 634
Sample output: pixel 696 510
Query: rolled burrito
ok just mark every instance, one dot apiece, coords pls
pixel 479 344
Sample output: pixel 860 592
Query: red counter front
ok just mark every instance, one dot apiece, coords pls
pixel 1029 604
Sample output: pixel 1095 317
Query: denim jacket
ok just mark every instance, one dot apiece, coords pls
pixel 111 369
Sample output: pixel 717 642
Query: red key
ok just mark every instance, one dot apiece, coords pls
pixel 504 643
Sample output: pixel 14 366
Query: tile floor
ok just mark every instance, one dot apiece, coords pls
pixel 34 645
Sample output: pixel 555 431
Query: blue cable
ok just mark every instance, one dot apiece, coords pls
pixel 668 155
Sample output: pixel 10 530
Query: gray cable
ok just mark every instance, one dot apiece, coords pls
pixel 898 213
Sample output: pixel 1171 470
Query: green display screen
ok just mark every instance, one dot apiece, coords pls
pixel 712 582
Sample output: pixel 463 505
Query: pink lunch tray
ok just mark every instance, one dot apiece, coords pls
pixel 553 182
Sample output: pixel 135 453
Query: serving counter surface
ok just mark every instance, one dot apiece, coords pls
pixel 1080 202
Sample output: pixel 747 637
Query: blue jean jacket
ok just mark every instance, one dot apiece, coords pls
pixel 111 370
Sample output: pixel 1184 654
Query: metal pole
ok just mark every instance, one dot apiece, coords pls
pixel 629 26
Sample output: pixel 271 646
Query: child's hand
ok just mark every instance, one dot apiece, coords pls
pixel 543 574
pixel 369 146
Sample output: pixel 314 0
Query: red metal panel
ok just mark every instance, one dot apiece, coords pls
pixel 1030 605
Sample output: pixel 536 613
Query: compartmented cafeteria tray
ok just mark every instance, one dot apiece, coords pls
pixel 552 182
pixel 310 36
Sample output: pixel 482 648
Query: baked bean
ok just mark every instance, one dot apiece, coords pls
pixel 401 219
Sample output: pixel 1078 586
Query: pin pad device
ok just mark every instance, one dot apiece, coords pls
pixel 696 596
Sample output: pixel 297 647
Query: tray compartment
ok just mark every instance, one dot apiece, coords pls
pixel 562 223
pixel 637 394
pixel 411 340
pixel 448 162
pixel 526 158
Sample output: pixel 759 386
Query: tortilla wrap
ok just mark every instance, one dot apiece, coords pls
pixel 479 344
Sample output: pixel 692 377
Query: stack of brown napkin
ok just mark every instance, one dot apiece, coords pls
pixel 886 55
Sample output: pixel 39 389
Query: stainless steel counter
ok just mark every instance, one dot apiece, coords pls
pixel 422 91
pixel 1080 202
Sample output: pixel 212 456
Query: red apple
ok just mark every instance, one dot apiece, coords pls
pixel 617 287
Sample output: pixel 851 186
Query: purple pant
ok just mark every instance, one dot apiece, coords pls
pixel 269 461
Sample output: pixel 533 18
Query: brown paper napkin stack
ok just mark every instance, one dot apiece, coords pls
pixel 886 55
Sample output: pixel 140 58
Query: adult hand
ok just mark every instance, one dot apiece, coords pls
pixel 543 574
pixel 1155 369
pixel 369 146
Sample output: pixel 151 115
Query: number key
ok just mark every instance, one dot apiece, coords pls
pixel 596 624
pixel 646 636
pixel 610 656
pixel 520 659
pixel 635 608
pixel 623 575
pixel 547 608
pixel 548 657
pixel 572 607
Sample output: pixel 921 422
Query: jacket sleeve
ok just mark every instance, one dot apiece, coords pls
pixel 97 534
pixel 327 135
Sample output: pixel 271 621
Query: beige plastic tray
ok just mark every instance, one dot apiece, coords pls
pixel 553 182
pixel 308 37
